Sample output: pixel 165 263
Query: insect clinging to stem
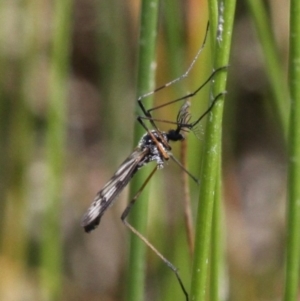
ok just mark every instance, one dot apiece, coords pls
pixel 154 145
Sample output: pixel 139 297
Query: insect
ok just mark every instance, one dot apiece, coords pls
pixel 153 146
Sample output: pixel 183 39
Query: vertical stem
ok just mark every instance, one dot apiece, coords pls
pixel 4 108
pixel 115 63
pixel 293 206
pixel 271 59
pixel 16 142
pixel 51 250
pixel 212 148
pixel 216 246
pixel 145 83
pixel 214 291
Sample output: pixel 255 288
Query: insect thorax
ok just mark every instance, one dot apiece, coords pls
pixel 154 153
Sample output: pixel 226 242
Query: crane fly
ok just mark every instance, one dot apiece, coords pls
pixel 148 149
pixel 153 147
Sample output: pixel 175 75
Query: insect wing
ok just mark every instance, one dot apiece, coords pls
pixel 110 191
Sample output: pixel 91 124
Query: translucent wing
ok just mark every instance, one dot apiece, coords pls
pixel 112 189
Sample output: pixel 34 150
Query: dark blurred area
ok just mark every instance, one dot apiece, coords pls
pixel 101 115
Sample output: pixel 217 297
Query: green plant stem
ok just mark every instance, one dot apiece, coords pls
pixel 293 206
pixel 215 234
pixel 117 82
pixel 17 146
pixel 216 245
pixel 174 37
pixel 274 68
pixel 212 148
pixel 51 249
pixel 145 83
pixel 4 109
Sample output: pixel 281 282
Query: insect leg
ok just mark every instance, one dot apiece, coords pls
pixel 184 169
pixel 190 94
pixel 191 125
pixel 158 120
pixel 139 100
pixel 188 216
pixel 141 237
pixel 178 78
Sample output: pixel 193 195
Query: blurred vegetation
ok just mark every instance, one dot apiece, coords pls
pixel 97 103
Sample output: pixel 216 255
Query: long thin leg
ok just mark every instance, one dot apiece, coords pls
pixel 192 124
pixel 158 120
pixel 180 77
pixel 188 216
pixel 140 236
pixel 190 94
pixel 208 109
pixel 139 100
pixel 189 126
pixel 149 117
pixel 184 169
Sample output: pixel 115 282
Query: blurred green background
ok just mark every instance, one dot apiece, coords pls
pixel 67 89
